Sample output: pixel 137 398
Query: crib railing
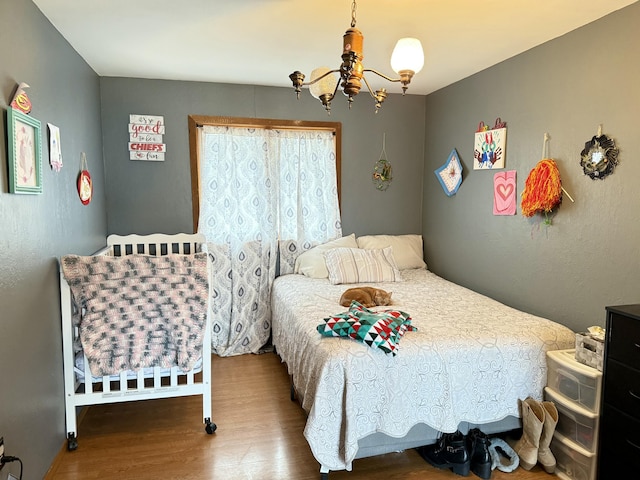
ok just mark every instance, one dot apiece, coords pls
pixel 157 244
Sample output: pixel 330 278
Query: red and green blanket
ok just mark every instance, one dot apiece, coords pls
pixel 381 330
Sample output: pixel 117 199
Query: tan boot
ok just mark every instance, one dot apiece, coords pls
pixel 545 456
pixel 532 421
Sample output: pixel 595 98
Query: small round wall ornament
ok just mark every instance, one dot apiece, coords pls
pixel 599 156
pixel 382 171
pixel 85 185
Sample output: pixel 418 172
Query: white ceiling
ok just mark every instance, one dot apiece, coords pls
pixel 261 42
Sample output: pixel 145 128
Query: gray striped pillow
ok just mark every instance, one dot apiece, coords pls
pixel 360 265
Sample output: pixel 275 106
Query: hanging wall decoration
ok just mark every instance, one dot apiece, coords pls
pixel 543 188
pixel 382 171
pixel 504 193
pixel 450 174
pixel 21 100
pixel 599 156
pixel 145 138
pixel 25 152
pixel 55 149
pixel 85 185
pixel 490 146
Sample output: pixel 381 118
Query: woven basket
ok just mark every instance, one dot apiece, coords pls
pixel 589 351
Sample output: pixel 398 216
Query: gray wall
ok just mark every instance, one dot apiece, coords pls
pixel 587 259
pixel 146 197
pixel 36 229
pixel 590 256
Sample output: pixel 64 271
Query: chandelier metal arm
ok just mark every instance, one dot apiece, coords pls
pixel 339 70
pixel 382 75
pixel 405 78
pixel 317 79
pixel 379 96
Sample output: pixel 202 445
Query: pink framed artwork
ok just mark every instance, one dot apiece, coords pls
pixel 504 193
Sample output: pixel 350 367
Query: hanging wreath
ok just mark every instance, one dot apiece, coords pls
pixel 382 171
pixel 599 156
pixel 382 174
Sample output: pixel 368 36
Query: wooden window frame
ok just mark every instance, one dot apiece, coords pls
pixel 196 121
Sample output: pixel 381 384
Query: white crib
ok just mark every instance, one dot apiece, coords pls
pixel 144 384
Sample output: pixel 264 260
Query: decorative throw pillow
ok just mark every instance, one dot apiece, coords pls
pixel 407 249
pixel 381 330
pixel 312 264
pixel 357 265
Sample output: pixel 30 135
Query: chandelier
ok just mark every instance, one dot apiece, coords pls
pixel 407 59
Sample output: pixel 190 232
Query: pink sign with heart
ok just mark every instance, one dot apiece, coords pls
pixel 504 193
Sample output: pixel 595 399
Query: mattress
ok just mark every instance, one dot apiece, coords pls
pixel 470 360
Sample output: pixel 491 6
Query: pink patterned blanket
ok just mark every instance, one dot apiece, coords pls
pixel 139 311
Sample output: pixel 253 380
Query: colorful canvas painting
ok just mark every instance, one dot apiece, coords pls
pixel 504 193
pixel 489 149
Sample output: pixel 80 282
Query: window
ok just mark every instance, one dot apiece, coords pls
pixel 196 122
pixel 258 184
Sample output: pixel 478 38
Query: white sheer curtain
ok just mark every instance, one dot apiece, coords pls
pixel 259 186
pixel 307 192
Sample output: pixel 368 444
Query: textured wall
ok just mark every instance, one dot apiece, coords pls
pixel 36 229
pixel 145 197
pixel 587 259
pixel 590 256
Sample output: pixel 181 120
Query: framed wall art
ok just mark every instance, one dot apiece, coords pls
pixel 489 146
pixel 25 153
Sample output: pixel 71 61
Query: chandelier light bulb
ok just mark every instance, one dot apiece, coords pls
pixel 323 86
pixel 407 55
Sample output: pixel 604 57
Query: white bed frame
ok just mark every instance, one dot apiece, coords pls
pixel 145 384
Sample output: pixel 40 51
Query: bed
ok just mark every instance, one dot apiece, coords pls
pixel 174 270
pixel 468 362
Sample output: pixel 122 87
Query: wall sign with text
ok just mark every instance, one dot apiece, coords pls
pixel 146 138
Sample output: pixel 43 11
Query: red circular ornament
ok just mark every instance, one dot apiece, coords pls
pixel 85 187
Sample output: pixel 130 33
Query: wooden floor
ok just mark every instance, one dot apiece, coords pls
pixel 259 437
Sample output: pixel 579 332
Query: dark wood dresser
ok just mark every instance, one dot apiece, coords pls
pixel 619 447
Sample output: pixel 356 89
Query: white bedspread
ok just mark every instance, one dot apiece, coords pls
pixel 471 359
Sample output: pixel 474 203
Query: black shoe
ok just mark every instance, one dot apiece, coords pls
pixel 450 451
pixel 478 446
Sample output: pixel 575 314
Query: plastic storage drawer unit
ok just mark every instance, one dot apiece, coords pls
pixel 575 422
pixel 575 381
pixel 573 462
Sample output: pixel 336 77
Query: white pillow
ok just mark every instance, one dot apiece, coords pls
pixel 407 249
pixel 357 265
pixel 311 263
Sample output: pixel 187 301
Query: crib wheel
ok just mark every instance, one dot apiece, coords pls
pixel 210 427
pixel 72 442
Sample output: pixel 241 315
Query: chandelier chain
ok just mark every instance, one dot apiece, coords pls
pixel 353 14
